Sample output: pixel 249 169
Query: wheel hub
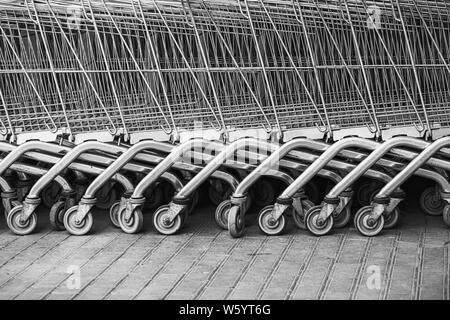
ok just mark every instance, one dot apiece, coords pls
pixel 272 222
pixel 371 222
pixel 166 221
pixel 320 222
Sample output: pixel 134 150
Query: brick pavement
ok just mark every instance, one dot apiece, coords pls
pixel 203 262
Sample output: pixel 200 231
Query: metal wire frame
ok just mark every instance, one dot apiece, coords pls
pixel 278 65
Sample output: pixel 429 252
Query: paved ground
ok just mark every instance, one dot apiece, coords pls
pixel 411 262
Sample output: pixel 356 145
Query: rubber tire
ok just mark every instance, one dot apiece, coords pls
pixel 428 203
pixel 391 221
pixel 298 220
pixel 104 203
pixel 50 194
pixel 341 221
pixel 216 197
pixel 153 198
pixel 56 215
pixel 236 222
pixel 80 229
pixel 135 224
pixel 264 217
pixel 446 215
pixel 158 223
pixel 221 214
pixel 267 195
pixel 16 226
pixel 311 222
pixel 360 222
pixel 114 214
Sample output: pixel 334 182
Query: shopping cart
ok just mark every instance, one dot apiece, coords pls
pixel 146 86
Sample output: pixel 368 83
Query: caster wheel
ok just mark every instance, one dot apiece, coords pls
pixel 221 214
pixel 162 223
pixel 268 224
pixel 391 219
pixel 366 192
pixel 106 197
pixel 168 191
pixel 431 203
pixel 18 226
pixel 114 214
pixel 365 225
pixel 56 214
pixel 343 218
pixel 50 194
pixel 154 197
pixel 194 203
pixel 316 227
pixel 300 219
pixel 446 215
pixel 77 228
pixel 263 193
pixel 132 225
pixel 217 196
pixel 312 190
pixel 236 222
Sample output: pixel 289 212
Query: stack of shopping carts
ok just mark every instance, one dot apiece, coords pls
pixel 136 105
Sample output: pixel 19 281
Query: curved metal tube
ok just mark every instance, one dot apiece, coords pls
pixel 414 165
pixel 65 161
pixel 118 164
pixel 379 151
pixel 164 165
pixel 213 165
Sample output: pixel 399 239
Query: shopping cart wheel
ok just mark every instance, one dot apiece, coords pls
pixel 114 214
pixel 367 226
pixel 343 218
pixel 446 215
pixel 364 192
pixel 194 202
pixel 106 197
pixel 221 214
pixel 299 219
pixel 134 223
pixel 268 224
pixel 75 227
pixel 391 219
pixel 17 225
pixel 430 202
pixel 263 193
pixel 50 194
pixel 154 197
pixel 314 225
pixel 218 192
pixel 162 223
pixel 56 215
pixel 236 222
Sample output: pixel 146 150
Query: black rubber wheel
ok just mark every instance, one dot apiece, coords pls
pixel 431 203
pixel 343 218
pixel 17 225
pixel 268 224
pixel 221 214
pixel 313 225
pixel 50 194
pixel 106 197
pixel 263 193
pixel 134 223
pixel 56 215
pixel 77 228
pixel 299 219
pixel 236 222
pixel 162 223
pixel 365 225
